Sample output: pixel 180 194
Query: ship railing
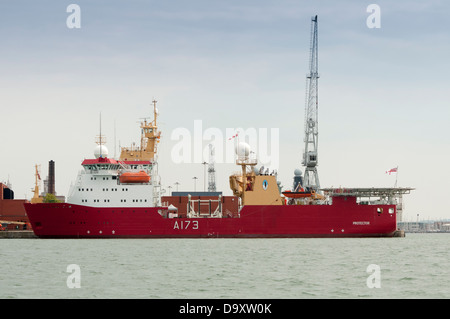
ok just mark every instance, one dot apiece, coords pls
pixel 246 161
pixel 131 149
pixel 367 192
pixel 379 201
pixel 308 201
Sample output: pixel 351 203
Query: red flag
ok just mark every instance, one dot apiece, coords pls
pixel 234 136
pixel 392 170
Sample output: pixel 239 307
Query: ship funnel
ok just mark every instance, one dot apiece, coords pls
pixel 51 177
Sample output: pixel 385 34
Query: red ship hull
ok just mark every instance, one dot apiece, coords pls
pixel 344 218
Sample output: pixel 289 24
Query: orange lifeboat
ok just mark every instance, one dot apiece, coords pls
pixel 290 194
pixel 134 177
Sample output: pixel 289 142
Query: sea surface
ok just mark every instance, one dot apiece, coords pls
pixel 417 266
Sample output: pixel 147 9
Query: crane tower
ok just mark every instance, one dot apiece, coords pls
pixel 211 171
pixel 310 159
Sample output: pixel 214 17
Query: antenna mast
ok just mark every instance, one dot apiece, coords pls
pixel 101 139
pixel 310 160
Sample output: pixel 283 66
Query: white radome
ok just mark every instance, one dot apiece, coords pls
pixel 242 150
pixel 100 151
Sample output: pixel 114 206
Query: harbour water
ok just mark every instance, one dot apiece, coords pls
pixel 416 266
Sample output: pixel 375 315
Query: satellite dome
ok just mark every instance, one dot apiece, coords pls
pixel 297 172
pixel 100 151
pixel 242 150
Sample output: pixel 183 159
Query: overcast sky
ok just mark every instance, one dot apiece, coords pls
pixel 383 92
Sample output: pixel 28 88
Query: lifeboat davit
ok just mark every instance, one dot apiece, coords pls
pixel 134 177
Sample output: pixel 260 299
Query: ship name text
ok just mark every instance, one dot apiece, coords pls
pixel 361 223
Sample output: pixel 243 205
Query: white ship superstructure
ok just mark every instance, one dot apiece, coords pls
pixel 101 184
pixel 131 181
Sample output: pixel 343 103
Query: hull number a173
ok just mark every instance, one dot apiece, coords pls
pixel 186 224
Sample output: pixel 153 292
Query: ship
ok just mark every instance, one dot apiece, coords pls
pixel 121 198
pixel 12 212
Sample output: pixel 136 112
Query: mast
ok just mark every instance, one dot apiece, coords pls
pixel 310 156
pixel 243 158
pixel 150 136
pixel 100 140
pixel 36 198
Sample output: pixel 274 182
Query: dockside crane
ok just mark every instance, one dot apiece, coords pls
pixel 211 171
pixel 310 156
